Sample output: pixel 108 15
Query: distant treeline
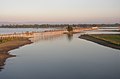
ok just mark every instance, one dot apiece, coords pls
pixel 56 25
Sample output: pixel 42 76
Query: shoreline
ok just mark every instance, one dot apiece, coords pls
pixel 13 44
pixel 100 41
pixel 9 45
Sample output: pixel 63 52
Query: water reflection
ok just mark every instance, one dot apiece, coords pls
pixel 70 36
pixel 38 37
pixel 3 58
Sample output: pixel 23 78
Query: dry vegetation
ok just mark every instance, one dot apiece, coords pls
pixel 13 43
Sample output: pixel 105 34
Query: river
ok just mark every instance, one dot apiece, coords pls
pixel 63 57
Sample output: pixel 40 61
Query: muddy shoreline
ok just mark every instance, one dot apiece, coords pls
pixel 13 44
pixel 99 41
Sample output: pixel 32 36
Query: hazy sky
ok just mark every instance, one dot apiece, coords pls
pixel 66 11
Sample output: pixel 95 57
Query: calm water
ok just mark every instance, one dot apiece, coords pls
pixel 20 30
pixel 62 57
pixel 105 30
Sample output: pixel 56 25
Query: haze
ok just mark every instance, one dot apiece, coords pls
pixel 60 11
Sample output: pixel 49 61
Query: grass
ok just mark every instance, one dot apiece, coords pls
pixel 9 39
pixel 12 43
pixel 112 38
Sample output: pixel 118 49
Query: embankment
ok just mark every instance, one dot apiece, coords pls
pixel 102 41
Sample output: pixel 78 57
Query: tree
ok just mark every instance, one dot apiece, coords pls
pixel 69 28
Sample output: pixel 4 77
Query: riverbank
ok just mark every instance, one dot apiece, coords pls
pixel 109 40
pixel 13 44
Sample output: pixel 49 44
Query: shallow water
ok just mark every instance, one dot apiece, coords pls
pixel 63 57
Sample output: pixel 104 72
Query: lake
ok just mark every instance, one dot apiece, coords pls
pixel 63 57
pixel 20 30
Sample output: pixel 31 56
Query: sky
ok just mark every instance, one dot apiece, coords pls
pixel 60 11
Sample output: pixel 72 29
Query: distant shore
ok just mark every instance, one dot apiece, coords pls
pixel 13 44
pixel 109 40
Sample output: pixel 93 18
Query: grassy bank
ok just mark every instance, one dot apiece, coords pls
pixel 10 44
pixel 110 40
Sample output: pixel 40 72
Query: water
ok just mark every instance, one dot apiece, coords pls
pixel 64 57
pixel 110 27
pixel 101 32
pixel 105 30
pixel 20 30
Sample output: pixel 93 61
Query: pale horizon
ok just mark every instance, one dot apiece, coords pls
pixel 60 11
